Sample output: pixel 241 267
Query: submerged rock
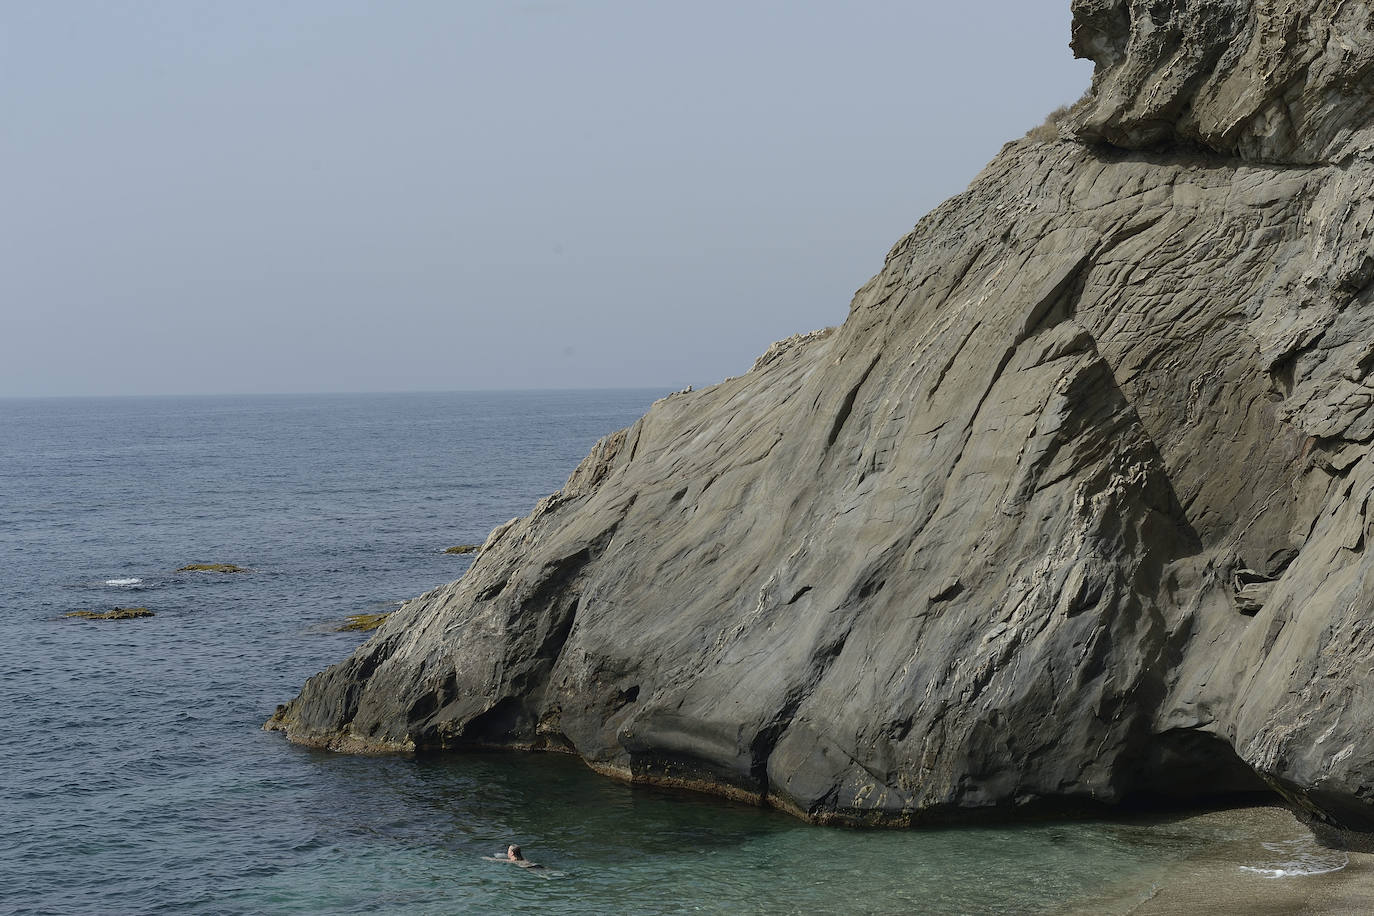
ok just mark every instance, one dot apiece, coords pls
pixel 212 567
pixel 119 613
pixel 463 548
pixel 1071 509
pixel 363 622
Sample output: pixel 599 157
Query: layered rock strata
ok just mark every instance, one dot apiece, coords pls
pixel 1073 507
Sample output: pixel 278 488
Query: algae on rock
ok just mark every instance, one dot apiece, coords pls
pixel 363 622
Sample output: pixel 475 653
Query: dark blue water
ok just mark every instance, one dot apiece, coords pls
pixel 136 777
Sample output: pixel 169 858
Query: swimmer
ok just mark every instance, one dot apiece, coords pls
pixel 514 856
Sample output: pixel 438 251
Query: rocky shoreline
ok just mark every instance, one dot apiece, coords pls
pixel 1070 510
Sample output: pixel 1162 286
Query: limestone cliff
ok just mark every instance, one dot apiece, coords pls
pixel 1072 507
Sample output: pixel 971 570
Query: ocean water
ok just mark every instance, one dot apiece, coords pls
pixel 136 777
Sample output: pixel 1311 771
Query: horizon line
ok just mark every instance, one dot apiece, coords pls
pixel 289 394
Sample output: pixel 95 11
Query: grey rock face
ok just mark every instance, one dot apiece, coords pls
pixel 1288 81
pixel 1072 508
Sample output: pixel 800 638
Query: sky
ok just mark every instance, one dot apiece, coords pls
pixel 345 196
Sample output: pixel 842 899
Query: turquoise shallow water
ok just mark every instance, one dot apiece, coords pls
pixel 136 777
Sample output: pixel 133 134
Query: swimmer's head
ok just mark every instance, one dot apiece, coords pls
pixel 513 852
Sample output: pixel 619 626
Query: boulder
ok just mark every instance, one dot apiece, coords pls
pixel 1071 510
pixel 119 613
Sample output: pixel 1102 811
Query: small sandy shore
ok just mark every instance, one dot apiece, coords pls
pixel 1222 891
pixel 1240 874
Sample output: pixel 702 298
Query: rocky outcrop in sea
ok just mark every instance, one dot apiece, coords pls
pixel 1073 508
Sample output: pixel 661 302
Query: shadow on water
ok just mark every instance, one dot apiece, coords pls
pixel 482 801
pixel 647 850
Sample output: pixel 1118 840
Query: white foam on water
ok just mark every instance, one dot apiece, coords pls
pixel 1298 859
pixel 124 583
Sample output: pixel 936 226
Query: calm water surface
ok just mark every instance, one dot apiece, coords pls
pixel 135 774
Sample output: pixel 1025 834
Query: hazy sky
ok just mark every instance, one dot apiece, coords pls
pixel 265 196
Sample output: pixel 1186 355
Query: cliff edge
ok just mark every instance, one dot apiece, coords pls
pixel 1072 508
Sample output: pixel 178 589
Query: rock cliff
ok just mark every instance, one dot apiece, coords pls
pixel 1073 507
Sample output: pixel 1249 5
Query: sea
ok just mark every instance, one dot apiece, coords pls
pixel 135 776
